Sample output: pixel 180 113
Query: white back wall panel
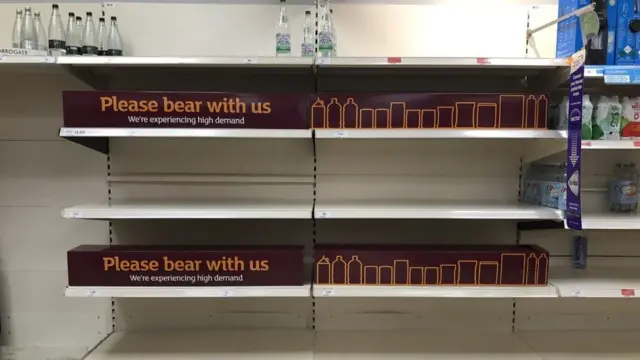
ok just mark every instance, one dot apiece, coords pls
pixel 444 28
pixel 39 175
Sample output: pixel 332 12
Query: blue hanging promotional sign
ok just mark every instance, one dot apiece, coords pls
pixel 573 214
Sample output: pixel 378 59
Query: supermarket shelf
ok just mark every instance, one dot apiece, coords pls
pixel 28 65
pixel 235 210
pixel 26 60
pixel 202 345
pixel 443 62
pixel 151 61
pixel 98 138
pixel 438 134
pixel 444 210
pixel 434 291
pixel 610 144
pixel 188 292
pixel 359 345
pixel 158 73
pixel 611 221
pixel 406 74
pixel 197 133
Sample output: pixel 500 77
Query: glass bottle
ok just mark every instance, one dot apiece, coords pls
pixel 283 37
pixel 334 32
pixel 114 40
pixel 41 33
pixel 325 34
pixel 57 36
pixel 89 45
pixel 623 189
pixel 102 36
pixel 17 30
pixel 28 36
pixel 72 45
pixel 309 38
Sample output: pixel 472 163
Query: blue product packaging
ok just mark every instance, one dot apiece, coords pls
pixel 612 20
pixel 626 47
pixel 579 252
pixel 569 35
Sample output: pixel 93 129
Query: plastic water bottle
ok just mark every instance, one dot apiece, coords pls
pixel 623 190
pixel 72 45
pixel 89 46
pixel 283 37
pixel 114 40
pixel 57 38
pixel 102 37
pixel 41 33
pixel 325 34
pixel 28 36
pixel 16 36
pixel 309 39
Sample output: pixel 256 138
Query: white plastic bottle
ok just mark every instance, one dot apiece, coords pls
pixel 563 114
pixel 587 111
pixel 283 37
pixel 600 119
pixel 615 118
pixel 630 120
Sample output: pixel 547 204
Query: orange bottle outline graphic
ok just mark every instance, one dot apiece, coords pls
pixel 354 272
pixel 396 114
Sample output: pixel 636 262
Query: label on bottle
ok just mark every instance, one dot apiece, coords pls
pixel 283 43
pixel 57 44
pixel 113 52
pixel 325 41
pixel 89 50
pixel 73 50
pixel 623 192
pixel 307 50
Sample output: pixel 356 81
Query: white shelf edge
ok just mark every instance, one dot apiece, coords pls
pixel 610 221
pixel 15 60
pixel 187 292
pixel 183 61
pixel 187 211
pixel 610 144
pixel 325 291
pixel 442 62
pixel 516 211
pixel 197 133
pixel 438 134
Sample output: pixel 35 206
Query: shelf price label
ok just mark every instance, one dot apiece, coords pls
pixel 628 292
pixel 328 292
pixel 576 293
pixel 324 214
pixel 620 75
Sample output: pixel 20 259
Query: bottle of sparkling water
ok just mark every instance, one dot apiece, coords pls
pixel 309 38
pixel 283 37
pixel 325 34
pixel 41 33
pixel 29 38
pixel 57 36
pixel 17 30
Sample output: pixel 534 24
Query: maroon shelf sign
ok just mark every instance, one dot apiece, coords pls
pixel 135 109
pixel 97 265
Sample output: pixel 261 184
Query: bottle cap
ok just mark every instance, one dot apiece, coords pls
pixel 55 6
pixel 36 13
pixel 114 18
pixel 307 12
pixel 72 14
pixel 18 11
pixel 89 13
pixel 27 8
pixel 78 17
pixel 101 19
